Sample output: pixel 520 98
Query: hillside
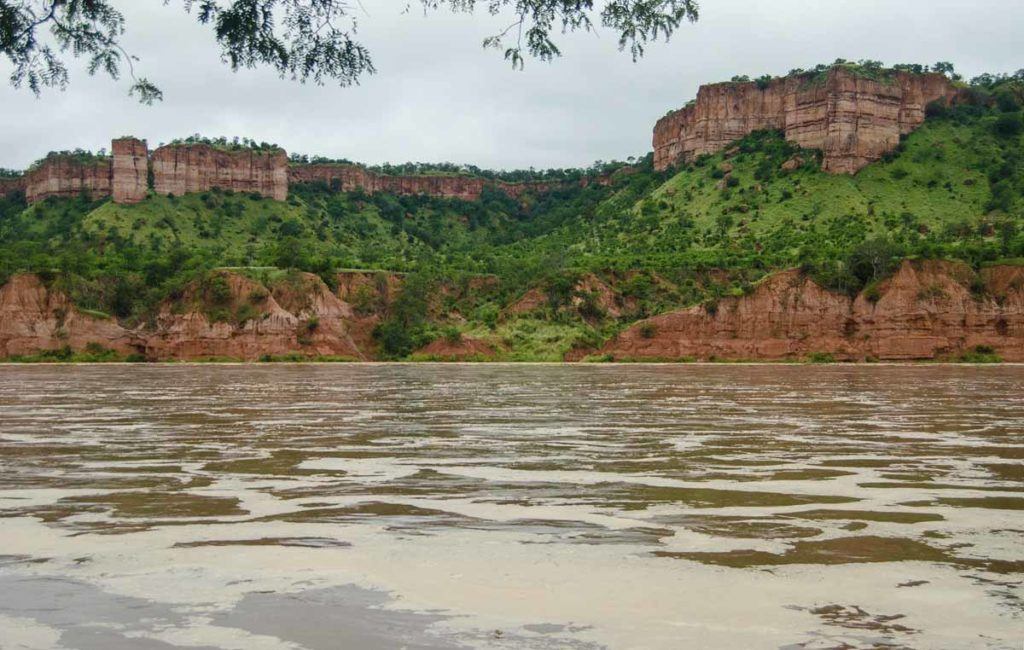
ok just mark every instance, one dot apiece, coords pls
pixel 562 272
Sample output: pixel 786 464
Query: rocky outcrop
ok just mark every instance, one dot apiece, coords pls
pixel 181 169
pixel 11 186
pixel 68 176
pixel 852 119
pixel 465 348
pixel 295 316
pixel 926 310
pixel 34 318
pixel 130 170
pixel 590 297
pixel 348 178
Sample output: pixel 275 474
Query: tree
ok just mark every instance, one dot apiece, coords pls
pixel 305 40
pixel 946 68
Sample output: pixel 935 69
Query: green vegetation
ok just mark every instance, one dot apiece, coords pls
pixel 93 353
pixel 866 68
pixel 80 156
pixel 590 259
pixel 980 354
pixel 599 168
pixel 224 144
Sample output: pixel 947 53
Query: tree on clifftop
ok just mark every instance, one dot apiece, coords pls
pixel 305 40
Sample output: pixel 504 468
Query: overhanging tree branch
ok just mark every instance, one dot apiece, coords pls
pixel 304 40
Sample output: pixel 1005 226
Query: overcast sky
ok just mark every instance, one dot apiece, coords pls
pixel 438 96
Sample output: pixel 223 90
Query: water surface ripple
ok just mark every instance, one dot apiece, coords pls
pixel 511 506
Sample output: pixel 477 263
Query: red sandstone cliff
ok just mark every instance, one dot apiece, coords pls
pixel 852 119
pixel 68 176
pixel 181 169
pixel 297 314
pixel 926 310
pixel 130 170
pixel 34 318
pixel 300 315
pixel 353 177
pixel 9 186
pixel 185 168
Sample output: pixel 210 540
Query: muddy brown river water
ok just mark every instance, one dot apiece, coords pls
pixel 283 507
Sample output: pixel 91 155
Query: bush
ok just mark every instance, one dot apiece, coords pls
pixel 245 313
pixel 821 357
pixel 980 354
pixel 218 291
pixel 1008 124
pixel 936 108
pixel 452 335
pixel 1006 101
pixel 648 330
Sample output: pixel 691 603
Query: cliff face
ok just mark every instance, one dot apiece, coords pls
pixel 352 177
pixel 33 318
pixel 852 119
pixel 181 169
pixel 66 176
pixel 9 186
pixel 130 170
pixel 297 315
pixel 926 310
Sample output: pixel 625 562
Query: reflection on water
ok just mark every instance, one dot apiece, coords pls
pixel 446 506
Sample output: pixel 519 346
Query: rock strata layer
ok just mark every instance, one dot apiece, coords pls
pixel 852 119
pixel 180 169
pixel 468 188
pixel 68 177
pixel 926 310
pixel 296 315
pixel 183 169
pixel 130 170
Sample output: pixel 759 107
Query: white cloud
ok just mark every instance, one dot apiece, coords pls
pixel 439 96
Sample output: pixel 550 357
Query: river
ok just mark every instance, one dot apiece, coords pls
pixel 282 507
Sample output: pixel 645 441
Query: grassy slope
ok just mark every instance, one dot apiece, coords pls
pixel 694 235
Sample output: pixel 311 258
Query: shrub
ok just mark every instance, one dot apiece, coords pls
pixel 451 334
pixel 648 330
pixel 218 291
pixel 1008 124
pixel 245 313
pixel 980 354
pixel 488 315
pixel 1006 101
pixel 821 357
pixel 936 108
pixel 365 300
